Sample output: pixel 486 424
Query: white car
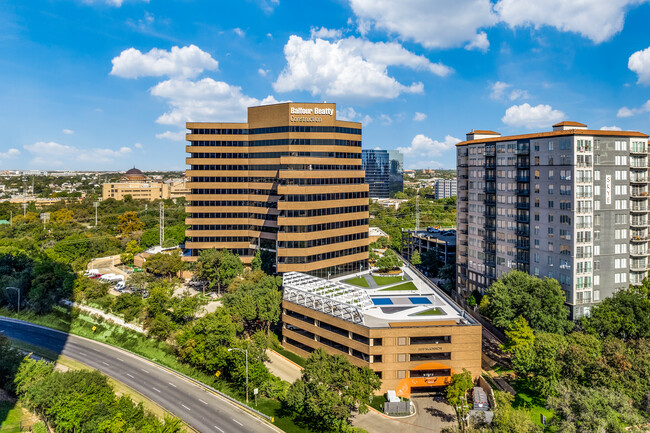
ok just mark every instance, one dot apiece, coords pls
pixel 119 286
pixel 91 272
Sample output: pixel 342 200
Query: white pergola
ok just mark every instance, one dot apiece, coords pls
pixel 335 298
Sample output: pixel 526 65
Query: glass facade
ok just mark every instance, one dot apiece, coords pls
pixel 376 164
pixel 396 160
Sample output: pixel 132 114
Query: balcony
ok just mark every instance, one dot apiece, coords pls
pixel 638 252
pixel 523 191
pixel 641 207
pixel 523 205
pixel 638 222
pixel 523 232
pixel 523 218
pixel 638 193
pixel 638 149
pixel 639 237
pixel 638 179
pixel 638 163
pixel 638 265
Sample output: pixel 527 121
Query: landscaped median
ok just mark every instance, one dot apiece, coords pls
pixel 408 286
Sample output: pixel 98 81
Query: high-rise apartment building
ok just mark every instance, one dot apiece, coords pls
pixel 376 164
pixel 570 204
pixel 445 188
pixel 288 182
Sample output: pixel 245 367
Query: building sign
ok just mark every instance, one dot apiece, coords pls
pixel 608 189
pixel 300 114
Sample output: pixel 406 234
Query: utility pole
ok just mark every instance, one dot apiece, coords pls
pixel 417 213
pixel 11 217
pixel 24 209
pixel 96 204
pixel 162 223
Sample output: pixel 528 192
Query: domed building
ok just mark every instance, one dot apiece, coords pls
pixel 134 175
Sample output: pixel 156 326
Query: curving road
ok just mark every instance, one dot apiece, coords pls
pixel 202 409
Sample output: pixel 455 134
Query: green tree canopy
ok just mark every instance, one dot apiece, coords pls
pixel 129 223
pixel 540 302
pixel 164 264
pixel 624 315
pixel 218 267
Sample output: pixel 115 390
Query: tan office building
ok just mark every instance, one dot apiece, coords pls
pixel 140 187
pixel 289 182
pixel 414 341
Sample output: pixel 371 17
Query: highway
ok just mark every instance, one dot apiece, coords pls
pixel 200 408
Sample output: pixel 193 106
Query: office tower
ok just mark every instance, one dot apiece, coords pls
pixel 396 178
pixel 288 182
pixel 376 164
pixel 570 204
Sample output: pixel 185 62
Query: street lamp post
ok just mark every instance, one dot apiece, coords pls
pixel 95 204
pixel 246 352
pixel 17 291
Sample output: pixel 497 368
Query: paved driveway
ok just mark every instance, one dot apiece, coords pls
pixel 431 416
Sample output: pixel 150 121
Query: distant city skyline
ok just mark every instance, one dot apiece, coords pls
pixel 109 84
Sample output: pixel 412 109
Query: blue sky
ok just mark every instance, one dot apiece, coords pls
pixel 108 84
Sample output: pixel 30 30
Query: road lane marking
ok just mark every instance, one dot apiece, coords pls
pixel 186 407
pixel 172 384
pixel 120 359
pixel 202 402
pixel 156 389
pixel 238 422
pixel 96 350
pixel 132 377
pixel 219 429
pixel 144 370
pixel 106 363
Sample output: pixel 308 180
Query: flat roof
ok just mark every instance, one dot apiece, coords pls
pixel 376 306
pixel 591 132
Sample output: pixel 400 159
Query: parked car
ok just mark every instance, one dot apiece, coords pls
pixel 95 276
pixel 120 286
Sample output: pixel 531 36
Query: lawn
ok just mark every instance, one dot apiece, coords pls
pixel 431 312
pixel 384 281
pixel 358 281
pixel 378 402
pixel 292 356
pixel 11 416
pixel 527 398
pixel 408 286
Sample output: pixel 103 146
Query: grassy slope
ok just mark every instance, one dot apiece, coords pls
pixel 358 281
pixel 384 281
pixel 406 286
pixel 150 349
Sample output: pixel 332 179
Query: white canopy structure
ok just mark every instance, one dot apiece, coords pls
pixel 335 298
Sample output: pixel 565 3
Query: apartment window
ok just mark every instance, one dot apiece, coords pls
pixel 536 271
pixel 536 202
pixel 549 261
pixel 536 230
pixel 596 292
pixel 550 218
pixel 550 246
pixel 536 174
pixel 536 216
pixel 536 243
pixel 550 230
pixel 550 189
pixel 596 250
pixel 550 204
pixel 536 257
pixel 537 160
pixel 536 188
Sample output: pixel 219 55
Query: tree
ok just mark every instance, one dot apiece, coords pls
pixel 62 216
pixel 10 359
pixel 218 267
pixel 415 258
pixel 167 265
pixel 586 409
pixel 540 302
pixel 457 394
pixel 520 343
pixel 388 261
pixel 329 387
pixel 129 223
pixel 256 263
pixel 256 301
pixel 625 315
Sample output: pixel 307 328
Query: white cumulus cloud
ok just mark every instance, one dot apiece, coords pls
pixel 172 135
pixel 530 117
pixel 67 131
pixel 479 43
pixel 629 112
pixel 424 151
pixel 350 68
pixel 501 91
pixel 138 145
pixel 203 100
pixel 593 19
pixel 610 128
pixel 419 117
pixel 10 153
pixel 239 32
pixel 431 23
pixel 639 62
pixel 50 153
pixel 263 71
pixel 351 115
pixel 325 33
pixel 184 62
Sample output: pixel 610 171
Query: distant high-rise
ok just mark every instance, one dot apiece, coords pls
pixel 288 182
pixel 445 188
pixel 376 164
pixel 396 161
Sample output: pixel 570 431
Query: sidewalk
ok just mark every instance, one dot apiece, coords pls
pixel 109 317
pixel 282 367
